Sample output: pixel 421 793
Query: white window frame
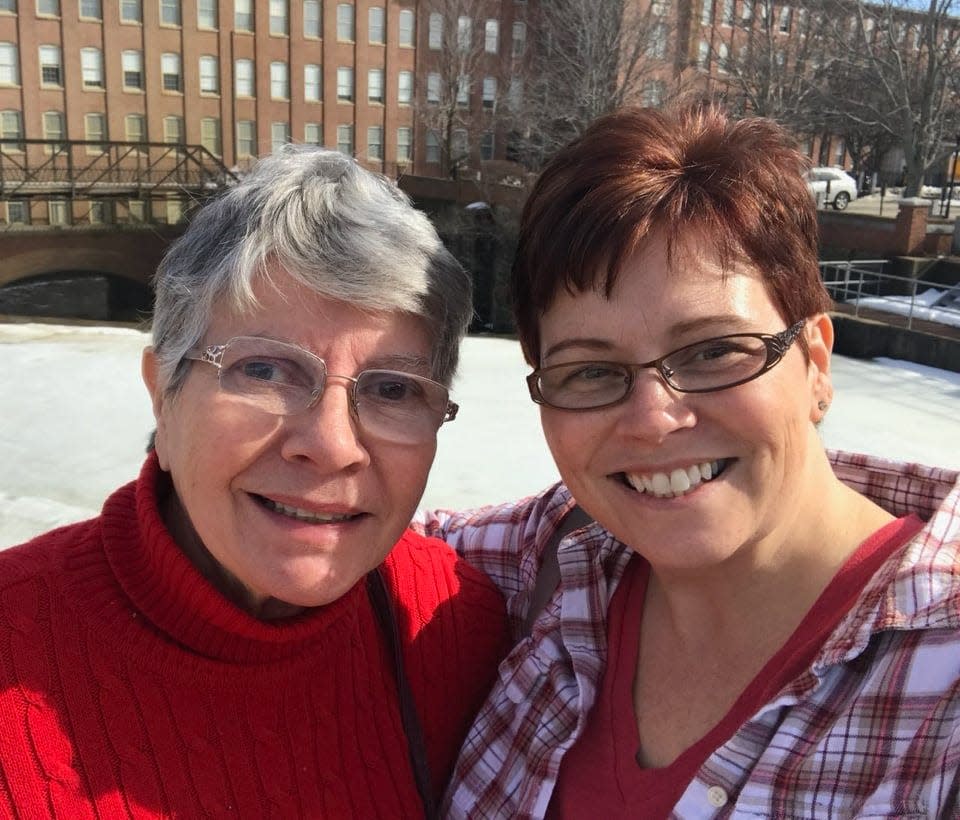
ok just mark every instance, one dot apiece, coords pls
pixel 131 12
pixel 279 135
pixel 9 64
pixel 171 14
pixel 91 67
pixel 463 90
pixel 244 15
pixel 487 146
pixel 432 144
pixel 18 212
pixel 209 67
pixel 346 23
pixel 375 86
pixel 244 75
pixel 313 83
pixel 464 33
pixel 375 143
pixel 518 39
pixel 138 134
pixel 47 53
pixel 489 97
pixel 312 19
pixel 491 36
pixel 279 18
pixel 54 127
pixel 131 66
pixel 48 8
pixel 58 212
pixel 11 128
pixel 405 87
pixel 90 9
pixel 279 80
pixel 173 133
pixel 246 142
pixel 433 87
pixel 377 25
pixel 408 28
pixel 169 61
pixel 435 31
pixel 345 139
pixel 95 130
pixel 210 135
pixel 208 15
pixel 404 143
pixel 313 133
pixel 345 84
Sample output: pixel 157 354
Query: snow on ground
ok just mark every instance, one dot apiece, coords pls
pixel 76 419
pixel 924 306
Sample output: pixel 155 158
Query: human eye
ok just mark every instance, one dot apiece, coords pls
pixel 583 377
pixel 729 352
pixel 269 370
pixel 388 387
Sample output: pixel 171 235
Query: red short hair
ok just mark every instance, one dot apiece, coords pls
pixel 684 169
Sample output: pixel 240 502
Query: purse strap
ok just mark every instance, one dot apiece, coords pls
pixel 382 605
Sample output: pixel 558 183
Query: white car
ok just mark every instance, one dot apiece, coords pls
pixel 832 186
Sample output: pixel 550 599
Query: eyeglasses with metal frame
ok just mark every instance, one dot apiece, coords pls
pixel 702 367
pixel 284 380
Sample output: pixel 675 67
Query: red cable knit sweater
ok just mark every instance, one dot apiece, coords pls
pixel 130 688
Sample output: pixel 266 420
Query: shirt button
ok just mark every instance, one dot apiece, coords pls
pixel 717 796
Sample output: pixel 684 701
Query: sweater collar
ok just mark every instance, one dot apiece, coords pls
pixel 164 587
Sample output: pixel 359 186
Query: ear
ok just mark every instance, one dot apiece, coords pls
pixel 150 371
pixel 819 338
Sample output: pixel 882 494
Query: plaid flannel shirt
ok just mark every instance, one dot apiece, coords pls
pixel 872 728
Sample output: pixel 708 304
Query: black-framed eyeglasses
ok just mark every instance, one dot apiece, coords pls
pixel 702 367
pixel 284 380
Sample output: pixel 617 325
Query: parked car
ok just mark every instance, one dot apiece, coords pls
pixel 832 186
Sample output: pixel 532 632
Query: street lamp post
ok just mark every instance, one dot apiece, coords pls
pixel 954 159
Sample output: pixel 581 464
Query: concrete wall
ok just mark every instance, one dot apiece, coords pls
pixel 866 339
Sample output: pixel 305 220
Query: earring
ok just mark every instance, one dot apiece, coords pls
pixel 823 405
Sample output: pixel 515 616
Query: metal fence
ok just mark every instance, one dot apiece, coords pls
pixel 863 285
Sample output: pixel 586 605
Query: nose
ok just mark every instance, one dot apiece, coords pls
pixel 653 410
pixel 328 433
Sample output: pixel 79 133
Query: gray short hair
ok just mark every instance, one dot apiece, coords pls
pixel 342 231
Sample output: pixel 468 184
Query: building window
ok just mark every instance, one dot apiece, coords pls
pixel 91 67
pixel 433 87
pixel 375 85
pixel 210 135
pixel 404 144
pixel 279 81
pixel 246 139
pixel 839 152
pixel 279 135
pixel 464 33
pixel 58 212
pixel 279 18
pixel 515 94
pixel 726 15
pixel 312 83
pixel 11 128
pixel 53 130
pixel 9 6
pixel 375 142
pixel 345 84
pixel 345 139
pixel 345 22
pixel 491 36
pixel 519 39
pixel 207 14
pixel 459 144
pixel 9 65
pixel 243 73
pixel 51 71
pixel 170 72
pixel 312 133
pixel 706 13
pixel 405 87
pixel 406 28
pixel 174 211
pixel 786 13
pixel 311 18
pixel 243 19
pixel 435 32
pixel 95 131
pixel 173 130
pixel 653 93
pixel 99 213
pixel 91 10
pixel 486 145
pixel 746 12
pixel 48 8
pixel 169 12
pixel 723 57
pixel 489 92
pixel 463 90
pixel 209 75
pixel 657 42
pixel 18 213
pixel 131 11
pixel 132 64
pixel 433 147
pixel 703 55
pixel 376 25
pixel 136 210
pixel 134 128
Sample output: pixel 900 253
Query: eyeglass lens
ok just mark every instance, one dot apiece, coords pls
pixel 709 365
pixel 284 380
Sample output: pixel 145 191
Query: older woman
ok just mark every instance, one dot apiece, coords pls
pixel 249 629
pixel 749 626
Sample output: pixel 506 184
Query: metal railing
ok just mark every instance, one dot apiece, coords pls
pixel 862 284
pixel 80 169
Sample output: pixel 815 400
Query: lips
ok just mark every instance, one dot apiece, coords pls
pixel 677 482
pixel 304 515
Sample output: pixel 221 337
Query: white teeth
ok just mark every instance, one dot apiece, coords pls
pixel 303 515
pixel 678 482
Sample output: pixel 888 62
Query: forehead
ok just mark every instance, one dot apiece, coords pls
pixel 673 297
pixel 289 311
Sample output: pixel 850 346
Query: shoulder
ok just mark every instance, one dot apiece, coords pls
pixel 45 556
pixel 425 575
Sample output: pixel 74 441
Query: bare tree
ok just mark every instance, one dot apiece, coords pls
pixel 767 57
pixel 589 57
pixel 464 78
pixel 894 69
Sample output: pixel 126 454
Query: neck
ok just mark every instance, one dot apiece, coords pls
pixel 177 521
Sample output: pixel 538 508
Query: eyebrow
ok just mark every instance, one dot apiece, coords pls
pixel 406 362
pixel 708 324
